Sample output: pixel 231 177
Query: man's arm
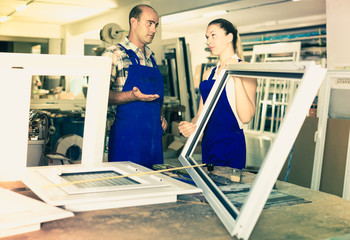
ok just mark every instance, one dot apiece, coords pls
pixel 117 98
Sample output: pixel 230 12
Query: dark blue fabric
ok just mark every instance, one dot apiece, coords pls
pixel 223 142
pixel 136 134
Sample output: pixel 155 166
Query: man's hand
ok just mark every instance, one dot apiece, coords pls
pixel 186 128
pixel 164 123
pixel 117 98
pixel 139 96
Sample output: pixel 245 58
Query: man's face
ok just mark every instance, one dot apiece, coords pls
pixel 146 27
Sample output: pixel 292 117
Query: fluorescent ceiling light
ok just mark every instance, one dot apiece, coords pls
pixel 22 7
pixel 213 14
pixel 4 18
pixel 178 17
pixel 185 16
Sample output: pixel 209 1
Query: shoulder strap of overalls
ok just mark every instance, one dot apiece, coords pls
pixel 132 55
pixel 214 69
pixel 154 62
pixel 212 73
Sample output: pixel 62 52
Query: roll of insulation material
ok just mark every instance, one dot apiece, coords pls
pixel 71 146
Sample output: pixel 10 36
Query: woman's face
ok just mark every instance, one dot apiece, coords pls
pixel 217 39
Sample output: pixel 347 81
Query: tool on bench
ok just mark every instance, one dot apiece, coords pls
pixel 219 179
pixel 182 175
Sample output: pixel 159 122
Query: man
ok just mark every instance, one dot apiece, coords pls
pixel 137 90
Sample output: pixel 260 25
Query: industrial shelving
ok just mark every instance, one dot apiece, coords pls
pixel 312 38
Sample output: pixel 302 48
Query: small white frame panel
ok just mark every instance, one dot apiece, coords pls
pixel 241 223
pixel 153 188
pixel 54 175
pixel 292 48
pixel 21 214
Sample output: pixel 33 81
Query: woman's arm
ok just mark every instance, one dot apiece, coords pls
pixel 244 92
pixel 245 89
pixel 187 128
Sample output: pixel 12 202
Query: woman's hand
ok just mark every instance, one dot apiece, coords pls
pixel 186 128
pixel 228 61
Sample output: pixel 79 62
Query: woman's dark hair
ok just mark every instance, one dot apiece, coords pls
pixel 230 28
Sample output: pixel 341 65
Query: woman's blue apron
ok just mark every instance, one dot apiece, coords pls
pixel 223 142
pixel 136 134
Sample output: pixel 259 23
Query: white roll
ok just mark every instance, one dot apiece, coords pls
pixel 67 141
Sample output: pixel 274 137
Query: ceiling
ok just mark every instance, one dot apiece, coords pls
pixel 55 11
pixel 253 15
pixel 264 13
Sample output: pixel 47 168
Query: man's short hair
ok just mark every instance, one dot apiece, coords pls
pixel 137 10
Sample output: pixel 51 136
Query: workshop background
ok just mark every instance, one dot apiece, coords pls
pixel 271 31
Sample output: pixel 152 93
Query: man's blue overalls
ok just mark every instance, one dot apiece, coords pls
pixel 136 134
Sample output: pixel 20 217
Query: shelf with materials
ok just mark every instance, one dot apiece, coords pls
pixel 312 38
pixel 317 37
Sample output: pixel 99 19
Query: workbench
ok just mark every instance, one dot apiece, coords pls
pixel 323 217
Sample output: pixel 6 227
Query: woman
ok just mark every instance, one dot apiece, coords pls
pixel 223 142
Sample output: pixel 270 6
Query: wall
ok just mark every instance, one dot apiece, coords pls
pixel 338 34
pixel 89 29
pixel 77 32
pixel 197 44
pixel 30 29
pixel 55 46
pixel 338 52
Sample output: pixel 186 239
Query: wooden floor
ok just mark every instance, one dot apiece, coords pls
pixel 326 216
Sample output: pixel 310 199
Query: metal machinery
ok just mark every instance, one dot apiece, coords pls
pixel 63 126
pixel 37 137
pixel 112 33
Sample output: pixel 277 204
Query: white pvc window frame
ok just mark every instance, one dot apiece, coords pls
pixel 241 223
pixel 16 71
pixel 320 135
pixel 186 86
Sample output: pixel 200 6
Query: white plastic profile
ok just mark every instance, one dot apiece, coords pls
pixel 241 223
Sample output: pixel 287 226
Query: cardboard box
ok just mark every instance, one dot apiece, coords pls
pixel 177 146
pixel 166 140
pixel 175 128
